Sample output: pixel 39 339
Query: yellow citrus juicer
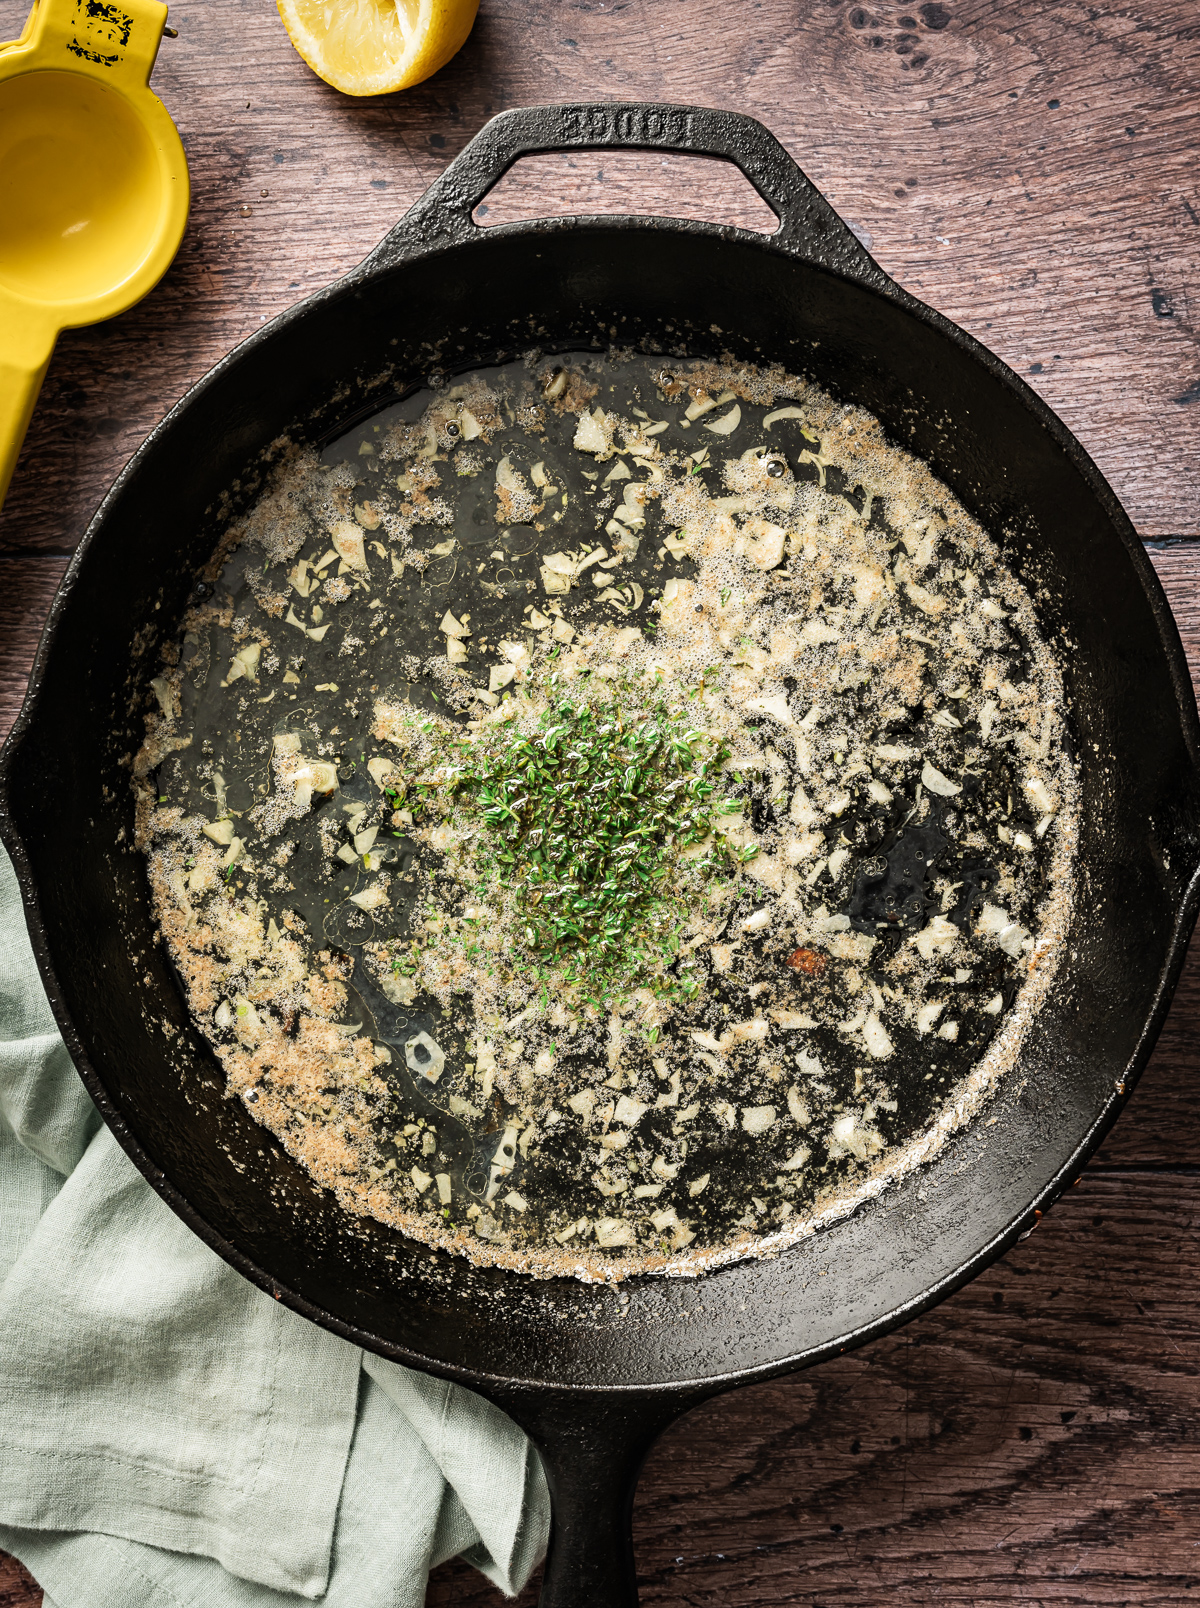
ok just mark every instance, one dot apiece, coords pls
pixel 93 185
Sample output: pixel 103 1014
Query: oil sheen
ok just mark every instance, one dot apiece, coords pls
pixel 610 813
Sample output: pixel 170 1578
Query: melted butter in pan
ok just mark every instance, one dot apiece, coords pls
pixel 610 813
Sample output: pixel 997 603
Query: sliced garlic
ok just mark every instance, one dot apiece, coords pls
pixel 757 1119
pixel 937 783
pixel 727 423
pixel 347 539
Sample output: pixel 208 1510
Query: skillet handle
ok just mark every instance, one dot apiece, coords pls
pixel 592 1449
pixel 808 225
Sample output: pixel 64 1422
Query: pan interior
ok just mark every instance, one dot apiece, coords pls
pixel 638 836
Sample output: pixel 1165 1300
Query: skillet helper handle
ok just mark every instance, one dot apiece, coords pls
pixel 25 351
pixel 808 225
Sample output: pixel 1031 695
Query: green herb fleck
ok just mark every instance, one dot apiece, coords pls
pixel 588 823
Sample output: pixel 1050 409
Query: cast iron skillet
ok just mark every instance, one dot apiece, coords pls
pixel 594 1373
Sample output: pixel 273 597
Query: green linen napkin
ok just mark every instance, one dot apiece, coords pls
pixel 169 1435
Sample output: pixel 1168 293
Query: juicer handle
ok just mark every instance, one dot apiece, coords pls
pixel 25 351
pixel 808 226
pixel 115 44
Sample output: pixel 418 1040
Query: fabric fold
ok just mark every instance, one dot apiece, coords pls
pixel 486 1461
pixel 155 1395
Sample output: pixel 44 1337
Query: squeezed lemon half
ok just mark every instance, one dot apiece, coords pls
pixel 371 47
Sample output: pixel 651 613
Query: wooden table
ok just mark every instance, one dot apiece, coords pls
pixel 1030 171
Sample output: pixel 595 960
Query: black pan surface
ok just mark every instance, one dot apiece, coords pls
pixel 595 1372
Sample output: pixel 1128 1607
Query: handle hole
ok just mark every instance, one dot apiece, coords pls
pixel 562 184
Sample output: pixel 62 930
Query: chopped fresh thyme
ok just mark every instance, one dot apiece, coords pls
pixel 589 819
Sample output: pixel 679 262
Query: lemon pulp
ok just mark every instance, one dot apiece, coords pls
pixel 372 47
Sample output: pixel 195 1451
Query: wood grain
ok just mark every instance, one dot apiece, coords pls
pixel 18 1589
pixel 1026 169
pixel 27 587
pixel 1030 171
